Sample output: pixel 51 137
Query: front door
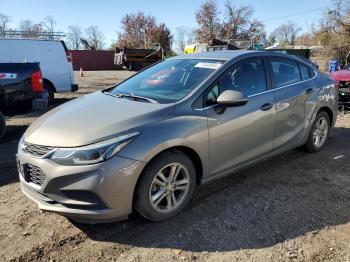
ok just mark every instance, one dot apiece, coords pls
pixel 242 133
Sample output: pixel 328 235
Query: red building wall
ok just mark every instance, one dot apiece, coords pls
pixel 93 60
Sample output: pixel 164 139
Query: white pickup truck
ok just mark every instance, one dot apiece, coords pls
pixel 54 58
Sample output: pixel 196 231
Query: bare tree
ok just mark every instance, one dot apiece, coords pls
pixel 29 29
pixel 271 39
pixel 239 23
pixel 208 21
pixel 4 21
pixel 190 36
pixel 49 25
pixel 94 37
pixel 73 36
pixel 180 38
pixel 334 30
pixel 287 33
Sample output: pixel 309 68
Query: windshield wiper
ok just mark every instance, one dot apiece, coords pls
pixel 132 96
pixel 135 97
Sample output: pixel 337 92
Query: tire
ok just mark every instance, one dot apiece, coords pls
pixel 148 188
pixel 2 125
pixel 50 92
pixel 130 66
pixel 311 145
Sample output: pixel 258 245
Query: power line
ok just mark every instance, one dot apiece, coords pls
pixel 300 13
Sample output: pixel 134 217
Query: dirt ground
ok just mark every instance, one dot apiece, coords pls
pixel 293 207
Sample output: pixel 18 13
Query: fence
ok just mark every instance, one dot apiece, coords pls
pixel 93 60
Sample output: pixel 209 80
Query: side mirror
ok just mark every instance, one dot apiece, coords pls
pixel 232 98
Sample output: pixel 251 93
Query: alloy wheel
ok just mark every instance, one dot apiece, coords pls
pixel 169 187
pixel 320 132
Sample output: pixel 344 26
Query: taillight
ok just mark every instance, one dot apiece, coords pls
pixel 69 56
pixel 37 82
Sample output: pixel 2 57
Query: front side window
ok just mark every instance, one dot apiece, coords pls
pixel 284 72
pixel 168 81
pixel 247 77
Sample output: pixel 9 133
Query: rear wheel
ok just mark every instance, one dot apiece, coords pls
pixel 130 66
pixel 49 92
pixel 166 186
pixel 318 133
pixel 2 125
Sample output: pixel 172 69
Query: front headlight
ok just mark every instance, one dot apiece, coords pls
pixel 92 154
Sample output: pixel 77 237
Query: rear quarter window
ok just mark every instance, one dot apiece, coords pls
pixel 304 72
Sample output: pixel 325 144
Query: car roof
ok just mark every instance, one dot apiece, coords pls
pixel 220 55
pixel 230 54
pixel 227 55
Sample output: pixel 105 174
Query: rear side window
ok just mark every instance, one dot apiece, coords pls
pixel 284 72
pixel 304 72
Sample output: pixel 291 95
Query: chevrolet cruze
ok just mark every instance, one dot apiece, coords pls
pixel 147 142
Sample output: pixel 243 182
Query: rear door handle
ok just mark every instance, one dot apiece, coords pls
pixel 266 106
pixel 309 91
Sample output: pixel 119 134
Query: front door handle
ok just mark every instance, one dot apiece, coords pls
pixel 266 106
pixel 309 91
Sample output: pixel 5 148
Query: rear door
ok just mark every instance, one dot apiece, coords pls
pixel 243 133
pixel 69 57
pixel 291 94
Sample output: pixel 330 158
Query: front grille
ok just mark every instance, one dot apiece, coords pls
pixel 36 150
pixel 34 174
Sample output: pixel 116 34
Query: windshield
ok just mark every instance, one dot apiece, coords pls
pixel 168 81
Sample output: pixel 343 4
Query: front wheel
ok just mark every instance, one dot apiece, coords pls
pixel 166 187
pixel 318 133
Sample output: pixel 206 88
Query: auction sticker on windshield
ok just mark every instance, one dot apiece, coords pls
pixel 208 65
pixel 8 76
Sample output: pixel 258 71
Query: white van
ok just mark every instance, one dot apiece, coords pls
pixel 53 56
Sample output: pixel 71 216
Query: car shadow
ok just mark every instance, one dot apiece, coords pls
pixel 276 200
pixel 8 150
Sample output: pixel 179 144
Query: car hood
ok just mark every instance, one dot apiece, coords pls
pixel 342 75
pixel 92 118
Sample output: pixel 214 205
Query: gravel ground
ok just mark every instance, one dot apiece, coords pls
pixel 293 207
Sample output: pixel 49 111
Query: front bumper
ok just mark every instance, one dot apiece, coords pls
pixel 90 194
pixel 344 96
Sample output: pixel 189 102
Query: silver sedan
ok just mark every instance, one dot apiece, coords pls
pixel 146 143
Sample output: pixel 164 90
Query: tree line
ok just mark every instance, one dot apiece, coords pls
pixel 141 30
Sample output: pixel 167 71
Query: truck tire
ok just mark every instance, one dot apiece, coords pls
pixel 2 125
pixel 130 66
pixel 50 93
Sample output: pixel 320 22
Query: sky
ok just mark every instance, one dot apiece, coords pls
pixel 106 14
